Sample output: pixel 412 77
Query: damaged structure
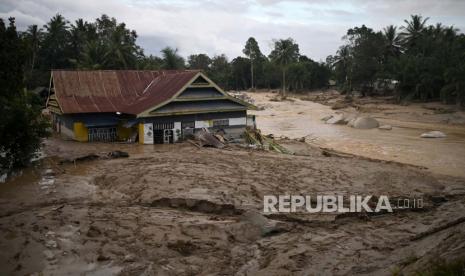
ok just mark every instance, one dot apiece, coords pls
pixel 145 106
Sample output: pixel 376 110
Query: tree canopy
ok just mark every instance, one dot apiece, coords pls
pixel 425 61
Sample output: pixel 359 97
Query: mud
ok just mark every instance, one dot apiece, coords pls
pixel 181 210
pixel 299 116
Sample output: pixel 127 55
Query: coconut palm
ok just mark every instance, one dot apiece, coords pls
pixel 171 59
pixel 284 53
pixel 393 40
pixel 412 31
pixel 33 37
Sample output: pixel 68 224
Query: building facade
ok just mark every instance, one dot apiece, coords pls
pixel 145 106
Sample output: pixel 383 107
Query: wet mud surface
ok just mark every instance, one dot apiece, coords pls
pixel 180 210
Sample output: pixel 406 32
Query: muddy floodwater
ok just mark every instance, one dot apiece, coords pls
pixel 182 210
pixel 298 118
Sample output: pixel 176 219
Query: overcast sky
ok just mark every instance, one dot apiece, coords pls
pixel 215 27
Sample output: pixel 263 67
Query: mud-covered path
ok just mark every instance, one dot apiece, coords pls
pixel 180 210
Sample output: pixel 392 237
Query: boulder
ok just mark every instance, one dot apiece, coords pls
pixel 365 123
pixel 337 119
pixel 349 117
pixel 433 134
pixel 351 122
pixel 326 118
pixel 385 127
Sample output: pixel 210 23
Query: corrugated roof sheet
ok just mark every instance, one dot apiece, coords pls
pixel 125 91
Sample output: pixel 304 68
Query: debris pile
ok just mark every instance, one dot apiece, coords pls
pixel 242 96
pixel 256 138
pixel 205 138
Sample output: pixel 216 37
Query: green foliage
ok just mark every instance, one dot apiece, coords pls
pixel 426 60
pixel 21 126
pixel 171 59
pixel 199 62
pixel 285 52
pixel 252 51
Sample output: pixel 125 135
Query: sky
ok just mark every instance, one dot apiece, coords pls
pixel 216 27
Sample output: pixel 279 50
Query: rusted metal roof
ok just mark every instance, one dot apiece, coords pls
pixel 125 91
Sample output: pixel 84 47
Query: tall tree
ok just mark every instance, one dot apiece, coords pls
pixel 220 71
pixel 171 59
pixel 285 51
pixel 252 51
pixel 21 127
pixel 199 61
pixel 413 30
pixel 33 38
pixel 55 50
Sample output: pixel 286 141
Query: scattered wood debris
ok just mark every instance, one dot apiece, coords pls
pixel 255 137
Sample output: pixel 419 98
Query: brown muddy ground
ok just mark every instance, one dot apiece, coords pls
pixel 180 210
pixel 300 116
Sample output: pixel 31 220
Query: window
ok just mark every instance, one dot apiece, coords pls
pixel 102 134
pixel 187 124
pixel 221 122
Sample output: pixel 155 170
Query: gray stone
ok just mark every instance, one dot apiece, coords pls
pixel 326 118
pixel 385 127
pixel 365 123
pixel 337 119
pixel 433 134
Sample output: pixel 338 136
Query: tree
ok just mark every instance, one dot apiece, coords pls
pixel 252 51
pixel 21 127
pixel 199 62
pixel 123 51
pixel 413 30
pixel 240 73
pixel 220 71
pixel 55 50
pixel 171 59
pixel 285 52
pixel 33 38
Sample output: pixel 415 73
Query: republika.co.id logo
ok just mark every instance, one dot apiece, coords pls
pixel 336 204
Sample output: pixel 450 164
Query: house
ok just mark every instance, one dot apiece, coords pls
pixel 145 106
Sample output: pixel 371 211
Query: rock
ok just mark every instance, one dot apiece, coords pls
pixel 301 139
pixel 351 122
pixel 365 123
pixel 433 134
pixel 385 127
pixel 326 118
pixel 337 119
pixel 349 117
pixel 266 226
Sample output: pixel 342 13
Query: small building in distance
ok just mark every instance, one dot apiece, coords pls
pixel 145 106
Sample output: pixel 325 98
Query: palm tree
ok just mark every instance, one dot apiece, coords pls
pixel 393 41
pixel 285 52
pixel 33 37
pixel 413 29
pixel 95 55
pixel 55 46
pixel 171 59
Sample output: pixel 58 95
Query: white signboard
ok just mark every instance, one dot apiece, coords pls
pixel 201 124
pixel 237 121
pixel 148 133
